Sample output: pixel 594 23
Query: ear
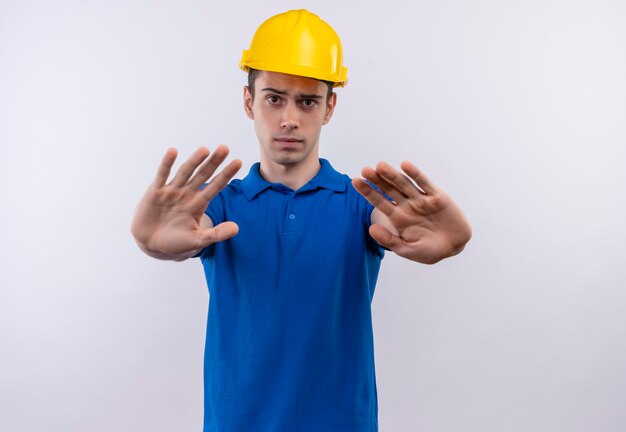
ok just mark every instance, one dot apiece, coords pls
pixel 247 102
pixel 330 108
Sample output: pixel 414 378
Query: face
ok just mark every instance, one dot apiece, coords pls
pixel 288 112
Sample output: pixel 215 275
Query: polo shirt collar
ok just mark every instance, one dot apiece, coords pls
pixel 326 178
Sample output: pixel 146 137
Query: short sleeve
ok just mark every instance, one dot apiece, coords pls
pixel 365 210
pixel 215 212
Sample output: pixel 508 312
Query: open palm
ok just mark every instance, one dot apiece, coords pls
pixel 417 220
pixel 169 220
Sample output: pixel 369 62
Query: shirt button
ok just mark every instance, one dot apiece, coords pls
pixel 292 216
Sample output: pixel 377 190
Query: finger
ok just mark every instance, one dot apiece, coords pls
pixel 420 178
pixel 209 167
pixel 219 233
pixel 372 176
pixel 384 237
pixel 163 172
pixel 399 180
pixel 374 197
pixel 220 181
pixel 189 166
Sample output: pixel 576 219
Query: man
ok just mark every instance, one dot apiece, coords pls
pixel 291 253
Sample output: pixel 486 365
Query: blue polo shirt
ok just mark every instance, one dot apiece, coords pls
pixel 289 341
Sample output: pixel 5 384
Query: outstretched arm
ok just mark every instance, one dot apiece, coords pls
pixel 421 223
pixel 169 222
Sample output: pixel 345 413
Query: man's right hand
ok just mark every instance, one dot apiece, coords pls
pixel 169 222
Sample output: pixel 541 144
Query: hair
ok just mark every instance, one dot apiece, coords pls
pixel 254 73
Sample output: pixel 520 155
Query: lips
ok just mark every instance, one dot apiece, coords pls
pixel 288 139
pixel 288 143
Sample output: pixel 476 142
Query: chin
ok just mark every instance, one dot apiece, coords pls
pixel 288 160
pixel 288 157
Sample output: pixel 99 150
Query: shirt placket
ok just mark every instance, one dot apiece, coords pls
pixel 291 217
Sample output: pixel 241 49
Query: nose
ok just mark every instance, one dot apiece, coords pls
pixel 290 119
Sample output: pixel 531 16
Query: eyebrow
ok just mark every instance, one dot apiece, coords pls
pixel 283 92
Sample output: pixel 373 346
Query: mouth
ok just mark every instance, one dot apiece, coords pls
pixel 288 142
pixel 288 139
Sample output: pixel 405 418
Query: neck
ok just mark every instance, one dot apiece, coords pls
pixel 294 175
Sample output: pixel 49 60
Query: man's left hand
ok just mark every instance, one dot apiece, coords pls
pixel 420 222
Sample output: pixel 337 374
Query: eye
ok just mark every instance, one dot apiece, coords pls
pixel 273 99
pixel 309 103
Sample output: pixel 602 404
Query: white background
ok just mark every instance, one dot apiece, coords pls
pixel 516 108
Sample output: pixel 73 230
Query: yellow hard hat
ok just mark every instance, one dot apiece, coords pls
pixel 297 42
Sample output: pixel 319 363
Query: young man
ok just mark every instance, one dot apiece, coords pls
pixel 292 251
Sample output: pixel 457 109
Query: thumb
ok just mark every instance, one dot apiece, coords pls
pixel 384 237
pixel 219 233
